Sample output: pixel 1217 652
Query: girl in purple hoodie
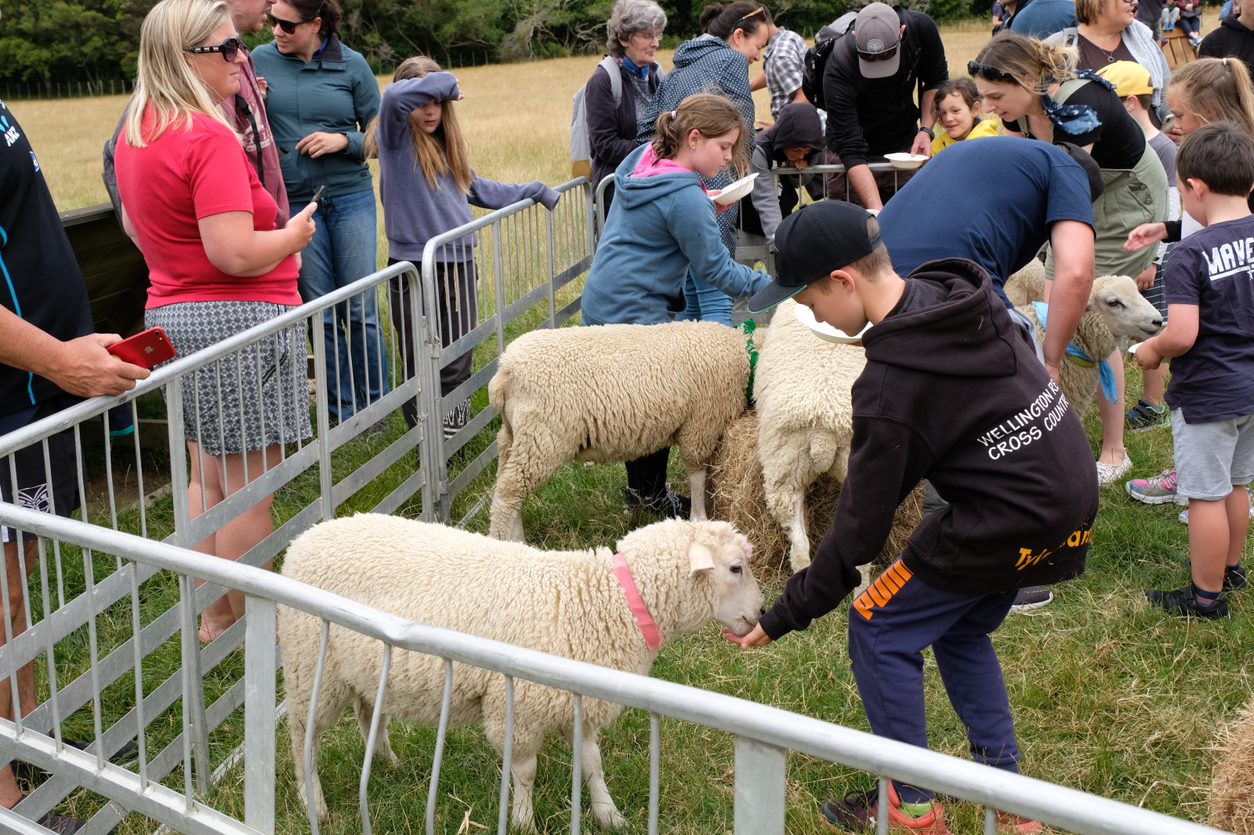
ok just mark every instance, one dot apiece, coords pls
pixel 427 187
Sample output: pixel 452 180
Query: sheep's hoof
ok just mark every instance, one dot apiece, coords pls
pixel 609 818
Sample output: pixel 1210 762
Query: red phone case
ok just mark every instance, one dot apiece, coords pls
pixel 147 348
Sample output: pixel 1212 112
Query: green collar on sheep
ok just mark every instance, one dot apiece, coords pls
pixel 749 326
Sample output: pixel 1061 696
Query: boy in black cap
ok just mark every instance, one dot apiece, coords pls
pixel 951 392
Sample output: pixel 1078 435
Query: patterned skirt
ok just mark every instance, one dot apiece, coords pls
pixel 250 399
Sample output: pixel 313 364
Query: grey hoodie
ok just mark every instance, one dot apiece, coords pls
pixel 413 212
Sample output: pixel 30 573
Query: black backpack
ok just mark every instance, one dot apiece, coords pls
pixel 812 72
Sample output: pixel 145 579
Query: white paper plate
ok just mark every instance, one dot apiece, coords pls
pixel 825 331
pixel 906 162
pixel 735 191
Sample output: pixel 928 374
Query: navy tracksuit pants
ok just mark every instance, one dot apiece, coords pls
pixel 890 624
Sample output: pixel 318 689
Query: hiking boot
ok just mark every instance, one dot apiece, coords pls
pixel 668 504
pixel 857 813
pixel 1008 824
pixel 1031 597
pixel 1109 473
pixel 1183 603
pixel 1234 578
pixel 1145 416
pixel 1161 489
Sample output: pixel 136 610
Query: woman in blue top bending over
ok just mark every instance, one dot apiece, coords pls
pixel 661 226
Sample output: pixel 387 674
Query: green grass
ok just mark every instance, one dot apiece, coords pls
pixel 1109 696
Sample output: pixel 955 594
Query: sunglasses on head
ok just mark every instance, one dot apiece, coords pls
pixel 229 49
pixel 288 26
pixel 974 68
pixel 882 55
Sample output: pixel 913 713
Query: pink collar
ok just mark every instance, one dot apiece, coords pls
pixel 652 637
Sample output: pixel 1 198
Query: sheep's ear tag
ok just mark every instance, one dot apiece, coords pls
pixel 700 558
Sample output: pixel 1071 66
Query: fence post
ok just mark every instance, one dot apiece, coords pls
pixel 760 775
pixel 260 668
pixel 427 339
pixel 322 411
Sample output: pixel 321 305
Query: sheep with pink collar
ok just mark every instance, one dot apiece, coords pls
pixel 671 579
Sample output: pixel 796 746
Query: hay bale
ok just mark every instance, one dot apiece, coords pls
pixel 739 498
pixel 1231 796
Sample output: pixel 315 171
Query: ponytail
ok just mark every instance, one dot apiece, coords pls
pixel 710 115
pixel 1030 63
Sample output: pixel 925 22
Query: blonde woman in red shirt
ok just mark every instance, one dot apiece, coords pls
pixel 217 266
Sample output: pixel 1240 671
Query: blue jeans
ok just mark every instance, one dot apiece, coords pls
pixel 341 252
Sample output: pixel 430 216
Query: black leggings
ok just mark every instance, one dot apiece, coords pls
pixel 454 281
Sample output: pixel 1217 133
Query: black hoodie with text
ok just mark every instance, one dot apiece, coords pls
pixel 952 392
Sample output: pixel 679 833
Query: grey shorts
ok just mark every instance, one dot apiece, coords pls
pixel 1212 458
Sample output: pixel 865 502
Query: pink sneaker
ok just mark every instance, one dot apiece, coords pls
pixel 1161 489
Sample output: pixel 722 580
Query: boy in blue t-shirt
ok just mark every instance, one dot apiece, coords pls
pixel 1210 334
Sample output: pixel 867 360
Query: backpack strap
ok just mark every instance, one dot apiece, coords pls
pixel 616 78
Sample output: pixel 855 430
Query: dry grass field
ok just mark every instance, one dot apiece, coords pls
pixel 516 118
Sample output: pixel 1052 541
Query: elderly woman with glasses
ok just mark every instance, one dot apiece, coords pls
pixel 634 29
pixel 217 265
pixel 716 62
pixel 322 95
pixel 1108 31
pixel 1037 91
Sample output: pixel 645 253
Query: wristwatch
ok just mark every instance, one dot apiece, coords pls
pixel 928 131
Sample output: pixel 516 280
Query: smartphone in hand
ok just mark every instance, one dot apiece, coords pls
pixel 318 194
pixel 147 348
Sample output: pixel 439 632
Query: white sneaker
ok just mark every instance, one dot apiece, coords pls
pixel 1184 514
pixel 1109 473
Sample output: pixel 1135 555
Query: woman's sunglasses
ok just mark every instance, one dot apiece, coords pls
pixel 288 26
pixel 974 68
pixel 229 49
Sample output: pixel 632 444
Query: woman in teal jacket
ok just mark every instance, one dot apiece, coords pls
pixel 321 97
pixel 661 225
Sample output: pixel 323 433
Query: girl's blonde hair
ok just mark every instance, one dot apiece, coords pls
pixel 710 115
pixel 165 82
pixel 437 154
pixel 1024 61
pixel 1218 90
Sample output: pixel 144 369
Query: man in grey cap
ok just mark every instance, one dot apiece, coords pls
pixel 869 91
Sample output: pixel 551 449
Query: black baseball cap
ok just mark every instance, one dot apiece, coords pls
pixel 810 243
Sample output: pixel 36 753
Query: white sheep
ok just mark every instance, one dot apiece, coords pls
pixel 803 391
pixel 612 393
pixel 1116 313
pixel 563 603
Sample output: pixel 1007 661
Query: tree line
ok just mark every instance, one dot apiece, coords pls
pixel 96 41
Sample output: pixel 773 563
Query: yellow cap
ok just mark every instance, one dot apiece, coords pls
pixel 1129 78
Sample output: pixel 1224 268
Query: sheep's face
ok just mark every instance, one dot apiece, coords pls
pixel 1122 307
pixel 723 553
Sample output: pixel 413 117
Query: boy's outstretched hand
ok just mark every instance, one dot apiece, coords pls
pixel 755 638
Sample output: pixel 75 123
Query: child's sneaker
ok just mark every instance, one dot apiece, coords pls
pixel 1108 473
pixel 1182 602
pixel 1008 824
pixel 1234 578
pixel 1161 489
pixel 1031 597
pixel 858 812
pixel 665 505
pixel 1184 514
pixel 1144 416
